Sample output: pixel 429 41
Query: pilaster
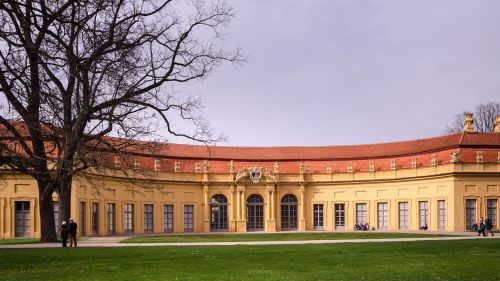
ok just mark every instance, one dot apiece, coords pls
pixel 206 215
pixel 232 218
pixel 302 220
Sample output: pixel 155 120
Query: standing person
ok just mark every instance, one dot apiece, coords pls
pixel 481 227
pixel 64 234
pixel 489 226
pixel 72 232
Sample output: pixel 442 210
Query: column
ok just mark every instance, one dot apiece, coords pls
pixel 238 205
pixel 271 222
pixel 302 220
pixel 232 219
pixel 241 223
pixel 206 215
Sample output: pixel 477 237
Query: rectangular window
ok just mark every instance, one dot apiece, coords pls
pixel 339 216
pixel 148 218
pixel 442 214
pixel 55 205
pixel 423 214
pixel 168 218
pixel 382 215
pixel 23 219
pixel 492 211
pixel 318 216
pixel 111 218
pixel 128 218
pixel 82 218
pixel 470 213
pixel 188 218
pixel 95 218
pixel 361 213
pixel 403 215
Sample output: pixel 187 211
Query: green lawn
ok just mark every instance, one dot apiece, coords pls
pixel 423 260
pixel 221 237
pixel 19 241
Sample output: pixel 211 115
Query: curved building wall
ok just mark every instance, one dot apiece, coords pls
pixel 444 183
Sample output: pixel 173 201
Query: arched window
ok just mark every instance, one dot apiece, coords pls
pixel 218 218
pixel 255 213
pixel 289 212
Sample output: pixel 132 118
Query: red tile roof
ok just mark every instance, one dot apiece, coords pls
pixel 338 152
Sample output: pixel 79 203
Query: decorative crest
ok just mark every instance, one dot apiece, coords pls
pixel 455 157
pixel 255 174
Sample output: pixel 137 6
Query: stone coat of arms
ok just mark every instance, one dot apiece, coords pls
pixel 255 174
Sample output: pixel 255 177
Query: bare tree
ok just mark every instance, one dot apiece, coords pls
pixel 484 118
pixel 74 72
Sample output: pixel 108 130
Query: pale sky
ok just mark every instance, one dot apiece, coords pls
pixel 350 72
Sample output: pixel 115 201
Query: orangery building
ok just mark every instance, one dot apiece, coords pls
pixel 442 183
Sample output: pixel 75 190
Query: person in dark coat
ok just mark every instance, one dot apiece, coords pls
pixel 482 227
pixel 64 234
pixel 489 226
pixel 72 232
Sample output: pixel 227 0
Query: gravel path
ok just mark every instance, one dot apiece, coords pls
pixel 115 242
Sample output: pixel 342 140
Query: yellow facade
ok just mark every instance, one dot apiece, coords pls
pixel 446 186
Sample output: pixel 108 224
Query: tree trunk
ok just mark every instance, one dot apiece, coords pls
pixel 47 224
pixel 64 192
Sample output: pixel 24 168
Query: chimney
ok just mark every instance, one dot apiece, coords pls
pixel 468 123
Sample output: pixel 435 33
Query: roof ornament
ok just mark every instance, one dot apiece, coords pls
pixel 329 169
pixel 276 167
pixel 177 166
pixel 497 124
pixel 468 123
pixel 349 167
pixel 231 167
pixel 414 163
pixel 301 168
pixel 197 167
pixel 393 164
pixel 371 167
pixel 205 167
pixel 434 161
pixel 157 165
pixel 479 157
pixel 455 157
pixel 498 157
pixel 117 162
pixel 136 164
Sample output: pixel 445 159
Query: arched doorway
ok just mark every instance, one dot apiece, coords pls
pixel 218 213
pixel 289 212
pixel 255 213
